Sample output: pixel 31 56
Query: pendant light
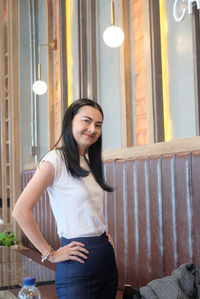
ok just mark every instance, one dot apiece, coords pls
pixel 113 36
pixel 40 86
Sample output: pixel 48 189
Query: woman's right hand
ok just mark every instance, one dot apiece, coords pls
pixel 73 251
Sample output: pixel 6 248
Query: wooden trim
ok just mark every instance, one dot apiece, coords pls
pixel 125 77
pixel 15 181
pixel 1 92
pixel 62 58
pixel 50 74
pixel 83 48
pixel 9 113
pixel 2 117
pixel 148 71
pixel 87 49
pixel 156 71
pixel 196 59
pixel 92 49
pixel 180 145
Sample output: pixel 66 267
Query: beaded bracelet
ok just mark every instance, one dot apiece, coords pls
pixel 46 255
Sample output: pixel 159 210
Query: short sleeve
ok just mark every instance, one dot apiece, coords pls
pixel 54 157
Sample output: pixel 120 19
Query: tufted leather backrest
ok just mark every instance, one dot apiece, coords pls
pixel 154 214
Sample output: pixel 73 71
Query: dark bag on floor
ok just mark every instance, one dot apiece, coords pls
pixel 130 292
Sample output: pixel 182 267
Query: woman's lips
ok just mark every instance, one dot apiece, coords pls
pixel 88 135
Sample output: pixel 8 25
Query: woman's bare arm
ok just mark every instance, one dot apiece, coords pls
pixel 22 213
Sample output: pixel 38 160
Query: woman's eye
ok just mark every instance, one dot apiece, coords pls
pixel 99 126
pixel 86 120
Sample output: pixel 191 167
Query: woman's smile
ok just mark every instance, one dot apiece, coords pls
pixel 86 127
pixel 89 135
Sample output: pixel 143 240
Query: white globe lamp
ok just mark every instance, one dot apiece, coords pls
pixel 39 87
pixel 113 36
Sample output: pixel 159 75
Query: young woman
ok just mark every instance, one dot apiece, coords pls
pixel 74 180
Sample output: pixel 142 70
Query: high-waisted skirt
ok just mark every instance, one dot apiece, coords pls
pixel 97 278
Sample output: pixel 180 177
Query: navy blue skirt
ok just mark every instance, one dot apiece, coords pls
pixel 97 278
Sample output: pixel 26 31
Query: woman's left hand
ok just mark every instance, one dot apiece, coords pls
pixel 110 239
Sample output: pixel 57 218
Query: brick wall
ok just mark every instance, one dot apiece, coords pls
pixel 139 72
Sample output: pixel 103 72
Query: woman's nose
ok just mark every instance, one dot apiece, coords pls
pixel 92 128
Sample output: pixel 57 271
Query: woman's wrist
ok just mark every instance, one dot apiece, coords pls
pixel 51 257
pixel 46 255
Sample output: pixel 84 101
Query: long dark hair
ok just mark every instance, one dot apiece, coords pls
pixel 70 151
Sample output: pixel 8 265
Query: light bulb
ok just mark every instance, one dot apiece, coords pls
pixel 113 36
pixel 39 87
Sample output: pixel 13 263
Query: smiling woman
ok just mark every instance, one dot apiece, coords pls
pixel 86 127
pixel 73 177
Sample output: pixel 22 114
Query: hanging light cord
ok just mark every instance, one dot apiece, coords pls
pixel 112 8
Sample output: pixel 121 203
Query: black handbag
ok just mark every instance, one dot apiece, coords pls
pixel 131 292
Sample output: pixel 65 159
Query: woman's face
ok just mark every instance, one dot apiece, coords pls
pixel 86 127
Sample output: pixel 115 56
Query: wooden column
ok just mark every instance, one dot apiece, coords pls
pixel 15 181
pixel 148 72
pixel 83 48
pixel 4 77
pixel 196 59
pixel 50 76
pixel 154 49
pixel 87 49
pixel 61 96
pixel 9 112
pixel 125 76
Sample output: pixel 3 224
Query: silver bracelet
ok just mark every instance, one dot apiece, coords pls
pixel 46 255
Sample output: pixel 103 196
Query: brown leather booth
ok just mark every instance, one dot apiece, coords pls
pixel 153 214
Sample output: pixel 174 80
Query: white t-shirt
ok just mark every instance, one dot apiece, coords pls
pixel 77 203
